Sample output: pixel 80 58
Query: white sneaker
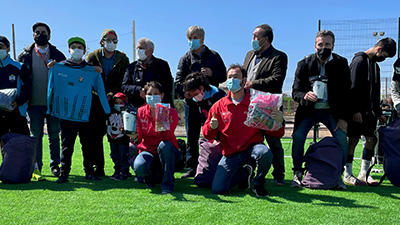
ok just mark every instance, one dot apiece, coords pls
pixel 370 180
pixel 352 180
pixel 296 181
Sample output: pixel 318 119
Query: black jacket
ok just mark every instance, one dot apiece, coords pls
pixel 191 62
pixel 365 85
pixel 136 76
pixel 26 55
pixel 271 72
pixel 338 73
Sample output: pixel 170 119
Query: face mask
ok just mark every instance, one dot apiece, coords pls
pixel 324 53
pixel 141 54
pixel 3 54
pixel 255 44
pixel 110 46
pixel 77 54
pixel 194 44
pixel 233 85
pixel 119 107
pixel 199 97
pixel 41 39
pixel 152 100
pixel 378 58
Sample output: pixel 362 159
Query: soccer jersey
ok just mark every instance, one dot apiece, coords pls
pixel 69 94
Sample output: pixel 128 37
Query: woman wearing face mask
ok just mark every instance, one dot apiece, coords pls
pixel 158 151
pixel 198 89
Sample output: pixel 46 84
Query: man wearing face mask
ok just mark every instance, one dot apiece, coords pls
pixel 332 111
pixel 113 64
pixel 266 68
pixel 16 76
pixel 243 146
pixel 365 108
pixel 147 68
pixel 35 57
pixel 198 59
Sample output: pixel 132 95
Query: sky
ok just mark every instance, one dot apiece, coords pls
pixel 228 25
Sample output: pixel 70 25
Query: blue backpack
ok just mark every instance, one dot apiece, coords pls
pixel 389 142
pixel 323 164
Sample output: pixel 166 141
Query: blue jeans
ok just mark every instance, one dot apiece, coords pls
pixel 120 156
pixel 300 135
pixel 161 170
pixel 37 115
pixel 230 169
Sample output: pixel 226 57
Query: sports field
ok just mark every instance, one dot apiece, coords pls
pixel 82 201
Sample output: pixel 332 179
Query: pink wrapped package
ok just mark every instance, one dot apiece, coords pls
pixel 261 106
pixel 162 117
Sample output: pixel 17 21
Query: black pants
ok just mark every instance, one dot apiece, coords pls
pixel 13 122
pixel 278 161
pixel 97 122
pixel 193 127
pixel 69 131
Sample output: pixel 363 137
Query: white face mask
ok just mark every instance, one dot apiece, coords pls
pixel 77 54
pixel 141 54
pixel 199 97
pixel 3 54
pixel 110 46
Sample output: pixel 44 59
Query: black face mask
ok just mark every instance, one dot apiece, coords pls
pixel 41 39
pixel 378 58
pixel 324 53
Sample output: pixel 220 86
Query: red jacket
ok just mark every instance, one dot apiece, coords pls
pixel 148 138
pixel 234 134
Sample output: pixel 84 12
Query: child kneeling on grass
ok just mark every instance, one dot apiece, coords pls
pixel 119 143
pixel 69 98
pixel 158 150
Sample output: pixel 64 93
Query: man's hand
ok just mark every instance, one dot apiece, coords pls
pixel 206 71
pixel 357 117
pixel 277 115
pixel 98 69
pixel 51 64
pixel 342 124
pixel 310 96
pixel 248 85
pixel 382 119
pixel 214 122
pixel 142 94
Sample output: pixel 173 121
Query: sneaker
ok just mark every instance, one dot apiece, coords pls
pixel 55 171
pixel 166 191
pixel 245 184
pixel 37 175
pixel 62 179
pixel 279 182
pixel 189 173
pixel 352 180
pixel 370 180
pixel 92 177
pixel 116 176
pixel 296 181
pixel 341 185
pixel 129 174
pixel 124 176
pixel 260 191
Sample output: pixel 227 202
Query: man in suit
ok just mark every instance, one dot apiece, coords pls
pixel 266 68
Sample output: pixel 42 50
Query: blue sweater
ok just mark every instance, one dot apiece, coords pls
pixel 69 94
pixel 14 75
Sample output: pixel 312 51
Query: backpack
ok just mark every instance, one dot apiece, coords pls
pixel 19 155
pixel 389 142
pixel 209 156
pixel 323 164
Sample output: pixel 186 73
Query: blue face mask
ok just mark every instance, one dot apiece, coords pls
pixel 194 44
pixel 255 44
pixel 119 107
pixel 3 54
pixel 152 100
pixel 233 85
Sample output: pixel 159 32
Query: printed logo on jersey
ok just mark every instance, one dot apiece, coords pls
pixel 226 116
pixel 62 74
pixel 80 79
pixel 145 124
pixel 11 78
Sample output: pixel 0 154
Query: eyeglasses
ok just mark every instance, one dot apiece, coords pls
pixel 109 40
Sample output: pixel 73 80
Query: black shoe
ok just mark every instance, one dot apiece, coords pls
pixel 116 176
pixel 189 173
pixel 279 182
pixel 62 179
pixel 55 171
pixel 245 183
pixel 92 177
pixel 260 191
pixel 124 176
pixel 99 173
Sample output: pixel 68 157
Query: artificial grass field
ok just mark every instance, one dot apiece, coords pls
pixel 82 201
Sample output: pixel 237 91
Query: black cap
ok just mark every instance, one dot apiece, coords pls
pixel 40 24
pixel 5 41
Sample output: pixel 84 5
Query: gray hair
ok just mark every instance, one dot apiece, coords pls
pixel 194 29
pixel 148 42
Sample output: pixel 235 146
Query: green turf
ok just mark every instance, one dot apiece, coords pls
pixel 81 201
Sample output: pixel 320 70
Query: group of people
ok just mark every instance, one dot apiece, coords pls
pixel 86 98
